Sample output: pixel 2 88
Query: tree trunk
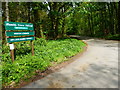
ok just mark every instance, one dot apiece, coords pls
pixel 56 27
pixel 7 14
pixel 89 25
pixel 7 11
pixel 63 27
pixel 91 21
pixel 118 31
pixel 29 12
pixel 111 21
pixel 41 32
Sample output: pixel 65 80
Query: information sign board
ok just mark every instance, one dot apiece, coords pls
pixel 10 40
pixel 18 26
pixel 14 35
pixel 19 33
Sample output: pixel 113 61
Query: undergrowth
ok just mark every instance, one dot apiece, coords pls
pixel 46 52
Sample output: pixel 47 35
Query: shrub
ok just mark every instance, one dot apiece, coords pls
pixel 45 53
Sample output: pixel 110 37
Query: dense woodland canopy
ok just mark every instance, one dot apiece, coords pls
pixel 59 19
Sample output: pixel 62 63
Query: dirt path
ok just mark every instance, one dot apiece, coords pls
pixel 96 68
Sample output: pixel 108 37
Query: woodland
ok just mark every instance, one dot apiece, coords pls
pixel 54 20
pixel 53 23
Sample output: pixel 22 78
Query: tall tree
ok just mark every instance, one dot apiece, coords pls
pixel 7 11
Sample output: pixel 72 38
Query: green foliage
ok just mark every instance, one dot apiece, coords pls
pixel 5 49
pixel 113 37
pixel 46 52
pixel 56 19
pixel 40 42
pixel 93 19
pixel 22 67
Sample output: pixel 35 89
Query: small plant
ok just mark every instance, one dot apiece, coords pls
pixel 46 52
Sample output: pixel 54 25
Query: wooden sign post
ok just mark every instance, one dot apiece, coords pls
pixel 17 32
pixel 32 45
pixel 12 51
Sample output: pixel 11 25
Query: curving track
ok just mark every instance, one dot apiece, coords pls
pixel 96 68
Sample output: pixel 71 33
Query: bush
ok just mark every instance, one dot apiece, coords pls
pixel 45 53
pixel 113 37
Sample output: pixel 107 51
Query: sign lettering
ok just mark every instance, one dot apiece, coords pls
pixel 19 33
pixel 10 40
pixel 18 26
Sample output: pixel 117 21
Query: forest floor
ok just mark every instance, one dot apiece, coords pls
pixel 96 68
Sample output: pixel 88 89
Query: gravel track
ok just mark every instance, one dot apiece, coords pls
pixel 96 68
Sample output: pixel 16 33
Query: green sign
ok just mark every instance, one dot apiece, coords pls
pixel 10 40
pixel 16 36
pixel 18 26
pixel 19 33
